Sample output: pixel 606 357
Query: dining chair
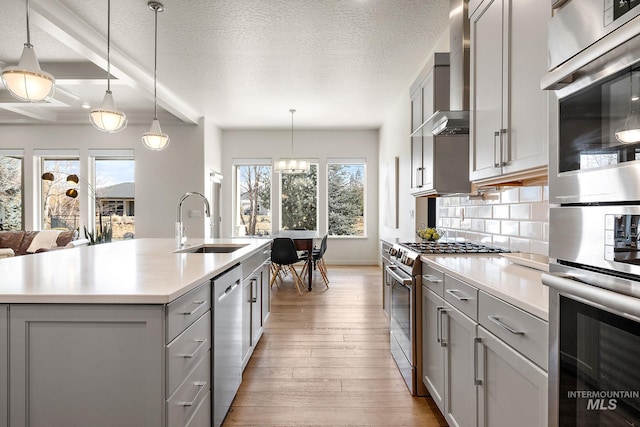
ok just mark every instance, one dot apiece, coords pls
pixel 318 261
pixel 283 254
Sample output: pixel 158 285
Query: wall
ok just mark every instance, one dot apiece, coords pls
pixel 161 177
pixel 514 218
pixel 310 144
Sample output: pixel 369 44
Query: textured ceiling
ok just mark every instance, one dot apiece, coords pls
pixel 239 63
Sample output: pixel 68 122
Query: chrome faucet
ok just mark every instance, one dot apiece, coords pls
pixel 181 238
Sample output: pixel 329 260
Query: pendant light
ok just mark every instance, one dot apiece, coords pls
pixel 155 139
pixel 26 81
pixel 107 118
pixel 292 165
pixel 630 134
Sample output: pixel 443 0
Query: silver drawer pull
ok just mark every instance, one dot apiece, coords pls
pixel 200 385
pixel 199 303
pixel 453 293
pixel 431 279
pixel 496 320
pixel 202 341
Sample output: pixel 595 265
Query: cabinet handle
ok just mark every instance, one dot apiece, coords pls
pixel 476 341
pixel 199 303
pixel 443 342
pixel 496 142
pixel 505 154
pixel 496 320
pixel 431 279
pixel 202 341
pixel 438 323
pixel 453 293
pixel 200 385
pixel 254 293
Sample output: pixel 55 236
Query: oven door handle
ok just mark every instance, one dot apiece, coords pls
pixel 403 280
pixel 604 298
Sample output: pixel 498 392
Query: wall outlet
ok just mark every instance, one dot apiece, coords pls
pixel 412 214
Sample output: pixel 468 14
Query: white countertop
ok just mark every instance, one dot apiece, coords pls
pixel 138 271
pixel 518 285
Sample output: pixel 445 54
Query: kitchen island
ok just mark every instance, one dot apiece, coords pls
pixel 114 334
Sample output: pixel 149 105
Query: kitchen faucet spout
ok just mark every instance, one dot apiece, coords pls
pixel 181 238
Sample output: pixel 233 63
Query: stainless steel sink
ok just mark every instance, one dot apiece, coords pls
pixel 214 248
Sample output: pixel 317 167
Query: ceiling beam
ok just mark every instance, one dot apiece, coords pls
pixel 58 21
pixel 40 114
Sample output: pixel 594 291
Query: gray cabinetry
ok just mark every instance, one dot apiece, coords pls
pixel 80 365
pixel 256 295
pixel 433 350
pixel 4 384
pixel 512 390
pixel 508 129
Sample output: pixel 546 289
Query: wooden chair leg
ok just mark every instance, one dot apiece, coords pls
pixel 296 278
pixel 323 271
pixel 275 275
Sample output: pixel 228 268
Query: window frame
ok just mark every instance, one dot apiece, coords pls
pixel 18 154
pixel 58 156
pixel 312 163
pixel 236 203
pixel 356 162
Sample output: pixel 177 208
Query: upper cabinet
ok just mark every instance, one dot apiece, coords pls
pixel 509 123
pixel 438 163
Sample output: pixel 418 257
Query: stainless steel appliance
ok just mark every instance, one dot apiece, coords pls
pixel 403 274
pixel 227 341
pixel 385 257
pixel 594 268
pixel 594 49
pixel 594 316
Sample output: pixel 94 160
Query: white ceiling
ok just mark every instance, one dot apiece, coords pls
pixel 239 63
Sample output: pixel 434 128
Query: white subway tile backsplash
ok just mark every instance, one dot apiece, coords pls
pixel 501 211
pixel 515 218
pixel 520 211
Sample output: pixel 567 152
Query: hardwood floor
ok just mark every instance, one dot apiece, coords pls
pixel 324 361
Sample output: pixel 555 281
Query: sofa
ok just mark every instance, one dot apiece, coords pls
pixel 19 242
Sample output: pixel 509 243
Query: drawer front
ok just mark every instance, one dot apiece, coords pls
pixel 185 351
pixel 202 417
pixel 183 404
pixel 187 309
pixel 521 330
pixel 462 296
pixel 433 279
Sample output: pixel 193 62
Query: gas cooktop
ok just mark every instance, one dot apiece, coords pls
pixel 432 247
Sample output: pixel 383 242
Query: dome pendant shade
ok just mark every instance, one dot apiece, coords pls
pixel 26 81
pixel 155 139
pixel 107 118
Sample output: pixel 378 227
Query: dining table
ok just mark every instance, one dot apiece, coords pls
pixel 303 240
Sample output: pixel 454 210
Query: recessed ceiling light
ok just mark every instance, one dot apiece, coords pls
pixel 86 105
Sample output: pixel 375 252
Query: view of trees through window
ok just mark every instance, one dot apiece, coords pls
pixel 59 210
pixel 299 200
pixel 11 193
pixel 253 200
pixel 345 183
pixel 115 197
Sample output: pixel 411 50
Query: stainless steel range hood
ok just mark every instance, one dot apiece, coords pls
pixel 456 120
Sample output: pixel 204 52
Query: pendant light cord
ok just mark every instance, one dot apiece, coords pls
pixel 109 46
pixel 28 32
pixel 292 111
pixel 155 68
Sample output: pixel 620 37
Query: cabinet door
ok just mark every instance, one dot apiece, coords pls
pixel 416 141
pixel 433 352
pixel 75 365
pixel 256 309
pixel 4 364
pixel 513 390
pixel 246 321
pixel 486 90
pixel 266 293
pixel 461 399
pixel 526 103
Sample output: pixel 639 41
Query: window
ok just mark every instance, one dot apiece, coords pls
pixel 299 200
pixel 11 194
pixel 60 206
pixel 252 200
pixel 115 197
pixel 345 188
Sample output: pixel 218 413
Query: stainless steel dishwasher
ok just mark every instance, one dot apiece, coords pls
pixel 227 341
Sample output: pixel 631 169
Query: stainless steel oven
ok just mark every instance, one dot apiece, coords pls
pixel 405 312
pixel 594 140
pixel 594 316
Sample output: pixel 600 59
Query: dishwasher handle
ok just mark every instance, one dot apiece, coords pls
pixel 227 291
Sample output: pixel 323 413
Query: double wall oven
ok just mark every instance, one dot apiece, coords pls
pixel 594 219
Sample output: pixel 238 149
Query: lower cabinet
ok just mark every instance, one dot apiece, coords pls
pixel 256 305
pixel 483 360
pixel 4 365
pixel 513 390
pixel 80 365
